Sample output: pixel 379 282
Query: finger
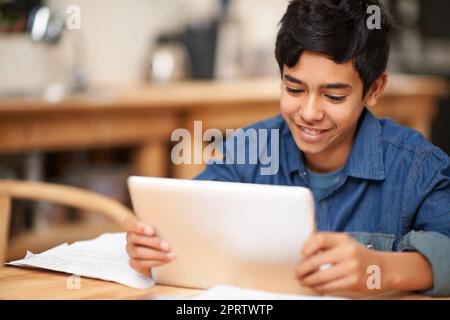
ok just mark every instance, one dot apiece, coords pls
pixel 313 263
pixel 146 241
pixel 322 241
pixel 342 284
pixel 334 273
pixel 144 266
pixel 143 253
pixel 133 263
pixel 132 224
pixel 148 264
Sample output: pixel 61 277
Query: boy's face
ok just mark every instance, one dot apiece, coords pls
pixel 321 102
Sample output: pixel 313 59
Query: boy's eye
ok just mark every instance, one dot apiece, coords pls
pixel 295 91
pixel 336 98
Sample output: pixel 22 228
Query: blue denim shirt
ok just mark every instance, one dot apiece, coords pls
pixel 393 193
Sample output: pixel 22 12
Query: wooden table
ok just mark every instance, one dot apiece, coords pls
pixel 84 122
pixel 22 283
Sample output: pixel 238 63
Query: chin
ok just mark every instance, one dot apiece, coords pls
pixel 311 148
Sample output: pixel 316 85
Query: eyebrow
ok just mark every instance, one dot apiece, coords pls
pixel 336 85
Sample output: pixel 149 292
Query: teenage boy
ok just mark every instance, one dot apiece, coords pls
pixel 382 191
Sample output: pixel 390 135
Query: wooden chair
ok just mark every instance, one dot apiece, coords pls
pixel 70 196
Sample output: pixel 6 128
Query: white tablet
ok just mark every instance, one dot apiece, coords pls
pixel 245 235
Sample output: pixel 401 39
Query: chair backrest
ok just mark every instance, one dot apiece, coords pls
pixel 70 196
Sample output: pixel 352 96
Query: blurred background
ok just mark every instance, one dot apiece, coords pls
pixel 90 91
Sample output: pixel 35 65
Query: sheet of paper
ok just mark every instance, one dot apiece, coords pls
pixel 224 292
pixel 102 258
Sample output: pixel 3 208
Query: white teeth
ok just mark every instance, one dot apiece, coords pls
pixel 311 132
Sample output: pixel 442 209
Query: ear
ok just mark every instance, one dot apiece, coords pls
pixel 376 90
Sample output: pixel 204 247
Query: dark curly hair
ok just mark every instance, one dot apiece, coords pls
pixel 337 29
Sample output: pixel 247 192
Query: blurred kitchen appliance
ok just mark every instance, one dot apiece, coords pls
pixel 200 40
pixel 169 60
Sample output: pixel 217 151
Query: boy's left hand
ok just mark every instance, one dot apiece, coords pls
pixel 349 262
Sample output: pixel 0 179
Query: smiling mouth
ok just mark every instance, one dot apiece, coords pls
pixel 312 132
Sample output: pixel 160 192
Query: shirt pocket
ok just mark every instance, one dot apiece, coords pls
pixel 375 240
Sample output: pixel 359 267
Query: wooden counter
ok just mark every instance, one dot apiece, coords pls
pixel 145 116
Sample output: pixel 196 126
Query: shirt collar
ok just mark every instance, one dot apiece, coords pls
pixel 366 157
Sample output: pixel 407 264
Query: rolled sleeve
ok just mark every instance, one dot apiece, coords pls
pixel 435 247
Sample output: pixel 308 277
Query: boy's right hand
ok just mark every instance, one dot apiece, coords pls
pixel 145 248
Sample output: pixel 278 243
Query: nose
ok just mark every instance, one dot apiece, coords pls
pixel 311 110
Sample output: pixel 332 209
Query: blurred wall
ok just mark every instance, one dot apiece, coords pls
pixel 116 36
